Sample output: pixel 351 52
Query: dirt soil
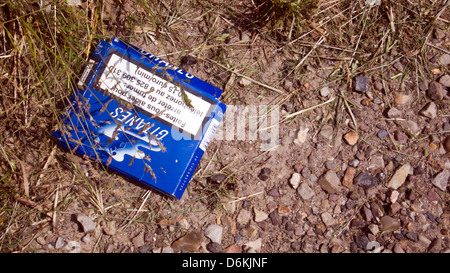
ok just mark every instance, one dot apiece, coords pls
pixel 350 68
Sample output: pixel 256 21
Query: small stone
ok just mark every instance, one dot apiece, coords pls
pixel 264 174
pixel 244 82
pixel 361 83
pixel 412 236
pixel 253 246
pixel 382 133
pixel 331 164
pixel 361 241
pixel 330 182
pixel 395 207
pixel 273 192
pixel 347 180
pixel 86 223
pixel 394 113
pixel 328 219
pixel 233 249
pixel 260 215
pixel 429 110
pixel 214 232
pixel 441 180
pixel 389 224
pixel 353 162
pixel 325 91
pixel 243 216
pixel 301 136
pixel 435 246
pixel 357 223
pixel 295 180
pixel 275 218
pixel 214 247
pixel 283 210
pixel 435 91
pixel 73 247
pixel 217 178
pixel 423 85
pixel 445 80
pixel 394 196
pixel 41 240
pixel 60 243
pixel 326 132
pixel 351 138
pixel 374 229
pixel 365 180
pixel 402 99
pixel 138 241
pixel 110 228
pixel 399 177
pixel 446 144
pixel 188 243
pixel 305 191
pixel 444 59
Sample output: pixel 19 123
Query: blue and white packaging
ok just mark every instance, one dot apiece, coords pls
pixel 141 116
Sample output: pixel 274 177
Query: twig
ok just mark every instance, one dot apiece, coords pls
pixel 245 197
pixel 307 109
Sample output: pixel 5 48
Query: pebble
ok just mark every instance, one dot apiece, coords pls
pixel 86 223
pixel 351 138
pixel 325 91
pixel 446 144
pixel 73 247
pixel 444 59
pixel 295 180
pixel 138 241
pixel 60 243
pixel 389 224
pixel 214 232
pixel 402 99
pixel 217 178
pixel 331 164
pixel 353 162
pixel 399 176
pixel 214 247
pixel 301 136
pixel 244 82
pixel 361 83
pixel 347 180
pixel 445 80
pixel 273 192
pixel 382 133
pixel 436 91
pixel 365 180
pixel 374 229
pixel 243 216
pixel 435 245
pixel 328 219
pixel 305 191
pixel 412 236
pixel 394 113
pixel 429 110
pixel 260 216
pixel 275 217
pixel 110 228
pixel 441 180
pixel 253 246
pixel 188 243
pixel 233 249
pixel 326 132
pixel 264 174
pixel 330 182
pixel 361 241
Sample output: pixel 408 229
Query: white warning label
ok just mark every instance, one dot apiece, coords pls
pixel 153 94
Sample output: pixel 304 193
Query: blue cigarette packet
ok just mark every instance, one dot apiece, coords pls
pixel 141 116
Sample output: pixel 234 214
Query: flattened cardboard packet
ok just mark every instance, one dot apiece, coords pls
pixel 141 116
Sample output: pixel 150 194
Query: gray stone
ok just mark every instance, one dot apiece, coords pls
pixel 214 247
pixel 441 180
pixel 86 223
pixel 399 176
pixel 217 178
pixel 305 191
pixel 326 132
pixel 365 180
pixel 445 80
pixel 253 246
pixel 328 219
pixel 214 232
pixel 60 243
pixel 429 110
pixel 73 247
pixel 382 133
pixel 444 59
pixel 243 216
pixel 260 215
pixel 264 174
pixel 138 241
pixel 330 182
pixel 325 91
pixel 361 83
pixel 394 113
pixel 435 91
